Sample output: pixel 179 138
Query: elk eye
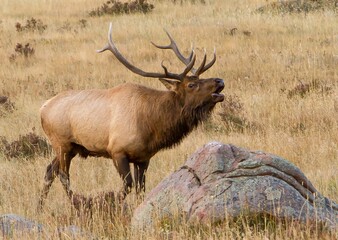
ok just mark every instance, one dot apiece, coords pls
pixel 191 85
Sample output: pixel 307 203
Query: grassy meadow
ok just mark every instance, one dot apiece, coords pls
pixel 281 84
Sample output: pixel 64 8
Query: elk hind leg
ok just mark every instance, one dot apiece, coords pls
pixel 51 172
pixel 64 172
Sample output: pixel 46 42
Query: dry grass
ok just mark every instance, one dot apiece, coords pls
pixel 268 56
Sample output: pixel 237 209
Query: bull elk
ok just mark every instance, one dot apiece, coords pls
pixel 129 123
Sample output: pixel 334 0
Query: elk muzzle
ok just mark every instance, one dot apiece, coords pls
pixel 217 96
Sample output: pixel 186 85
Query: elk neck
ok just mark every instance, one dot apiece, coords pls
pixel 167 120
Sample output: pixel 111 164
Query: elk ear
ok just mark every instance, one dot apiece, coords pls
pixel 171 85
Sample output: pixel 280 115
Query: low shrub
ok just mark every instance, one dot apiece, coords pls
pixel 32 25
pixel 233 115
pixel 113 7
pixel 297 6
pixel 27 146
pixel 6 106
pixel 303 89
pixel 22 50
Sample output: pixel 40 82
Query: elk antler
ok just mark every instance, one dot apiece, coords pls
pixel 111 47
pixel 173 46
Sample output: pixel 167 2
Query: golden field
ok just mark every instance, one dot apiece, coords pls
pixel 262 63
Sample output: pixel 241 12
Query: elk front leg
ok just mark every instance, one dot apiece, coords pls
pixel 121 163
pixel 139 175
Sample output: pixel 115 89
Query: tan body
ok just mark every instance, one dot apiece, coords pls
pixel 128 123
pixel 125 120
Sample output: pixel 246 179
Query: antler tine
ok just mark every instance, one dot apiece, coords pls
pixel 186 70
pixel 189 66
pixel 103 49
pixel 200 68
pixel 209 65
pixel 173 46
pixel 111 47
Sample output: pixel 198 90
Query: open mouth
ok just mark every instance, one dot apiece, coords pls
pixel 217 96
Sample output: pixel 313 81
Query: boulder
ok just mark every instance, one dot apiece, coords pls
pixel 12 223
pixel 222 181
pixel 19 226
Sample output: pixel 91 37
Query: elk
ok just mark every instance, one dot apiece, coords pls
pixel 128 123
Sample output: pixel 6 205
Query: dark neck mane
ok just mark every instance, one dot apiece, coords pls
pixel 170 122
